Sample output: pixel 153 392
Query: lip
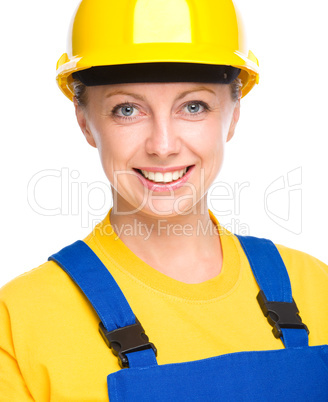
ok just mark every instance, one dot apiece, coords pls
pixel 162 169
pixel 174 185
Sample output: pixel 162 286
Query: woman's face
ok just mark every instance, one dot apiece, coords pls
pixel 161 144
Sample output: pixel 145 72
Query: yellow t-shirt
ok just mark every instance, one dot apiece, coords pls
pixel 50 347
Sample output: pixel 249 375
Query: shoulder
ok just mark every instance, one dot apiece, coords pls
pixel 41 303
pixel 309 282
pixel 27 306
pixel 301 264
pixel 40 290
pixel 44 274
pixel 308 275
pixel 31 280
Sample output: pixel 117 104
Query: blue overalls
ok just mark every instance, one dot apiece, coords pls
pixel 297 373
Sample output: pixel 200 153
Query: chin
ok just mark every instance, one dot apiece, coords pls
pixel 161 209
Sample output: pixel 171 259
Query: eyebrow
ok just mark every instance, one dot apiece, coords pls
pixel 142 98
pixel 198 89
pixel 119 92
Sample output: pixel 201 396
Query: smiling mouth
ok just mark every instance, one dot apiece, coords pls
pixel 163 177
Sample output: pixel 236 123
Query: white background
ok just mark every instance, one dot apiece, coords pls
pixel 283 128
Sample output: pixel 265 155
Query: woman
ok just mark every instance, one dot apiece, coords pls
pixel 159 109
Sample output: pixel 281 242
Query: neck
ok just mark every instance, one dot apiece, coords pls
pixel 185 247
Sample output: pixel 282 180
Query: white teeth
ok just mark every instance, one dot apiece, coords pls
pixel 166 177
pixel 175 175
pixel 158 177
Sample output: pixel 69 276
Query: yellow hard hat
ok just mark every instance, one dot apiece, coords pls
pixel 135 32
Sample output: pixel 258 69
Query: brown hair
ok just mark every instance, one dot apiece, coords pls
pixel 80 91
pixel 235 88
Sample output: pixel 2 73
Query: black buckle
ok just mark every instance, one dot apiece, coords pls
pixel 125 340
pixel 280 315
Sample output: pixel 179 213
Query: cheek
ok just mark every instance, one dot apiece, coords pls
pixel 218 130
pixel 116 146
pixel 207 138
pixel 209 145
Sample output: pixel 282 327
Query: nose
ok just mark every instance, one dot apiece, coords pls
pixel 163 140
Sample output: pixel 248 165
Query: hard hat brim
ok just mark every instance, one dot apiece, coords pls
pixel 249 76
pixel 157 72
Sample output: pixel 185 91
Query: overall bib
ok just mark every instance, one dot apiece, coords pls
pixel 296 373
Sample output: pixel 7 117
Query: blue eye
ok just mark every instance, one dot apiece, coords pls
pixel 193 107
pixel 196 107
pixel 127 110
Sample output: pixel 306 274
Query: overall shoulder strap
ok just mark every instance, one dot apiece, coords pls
pixel 119 326
pixel 275 297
